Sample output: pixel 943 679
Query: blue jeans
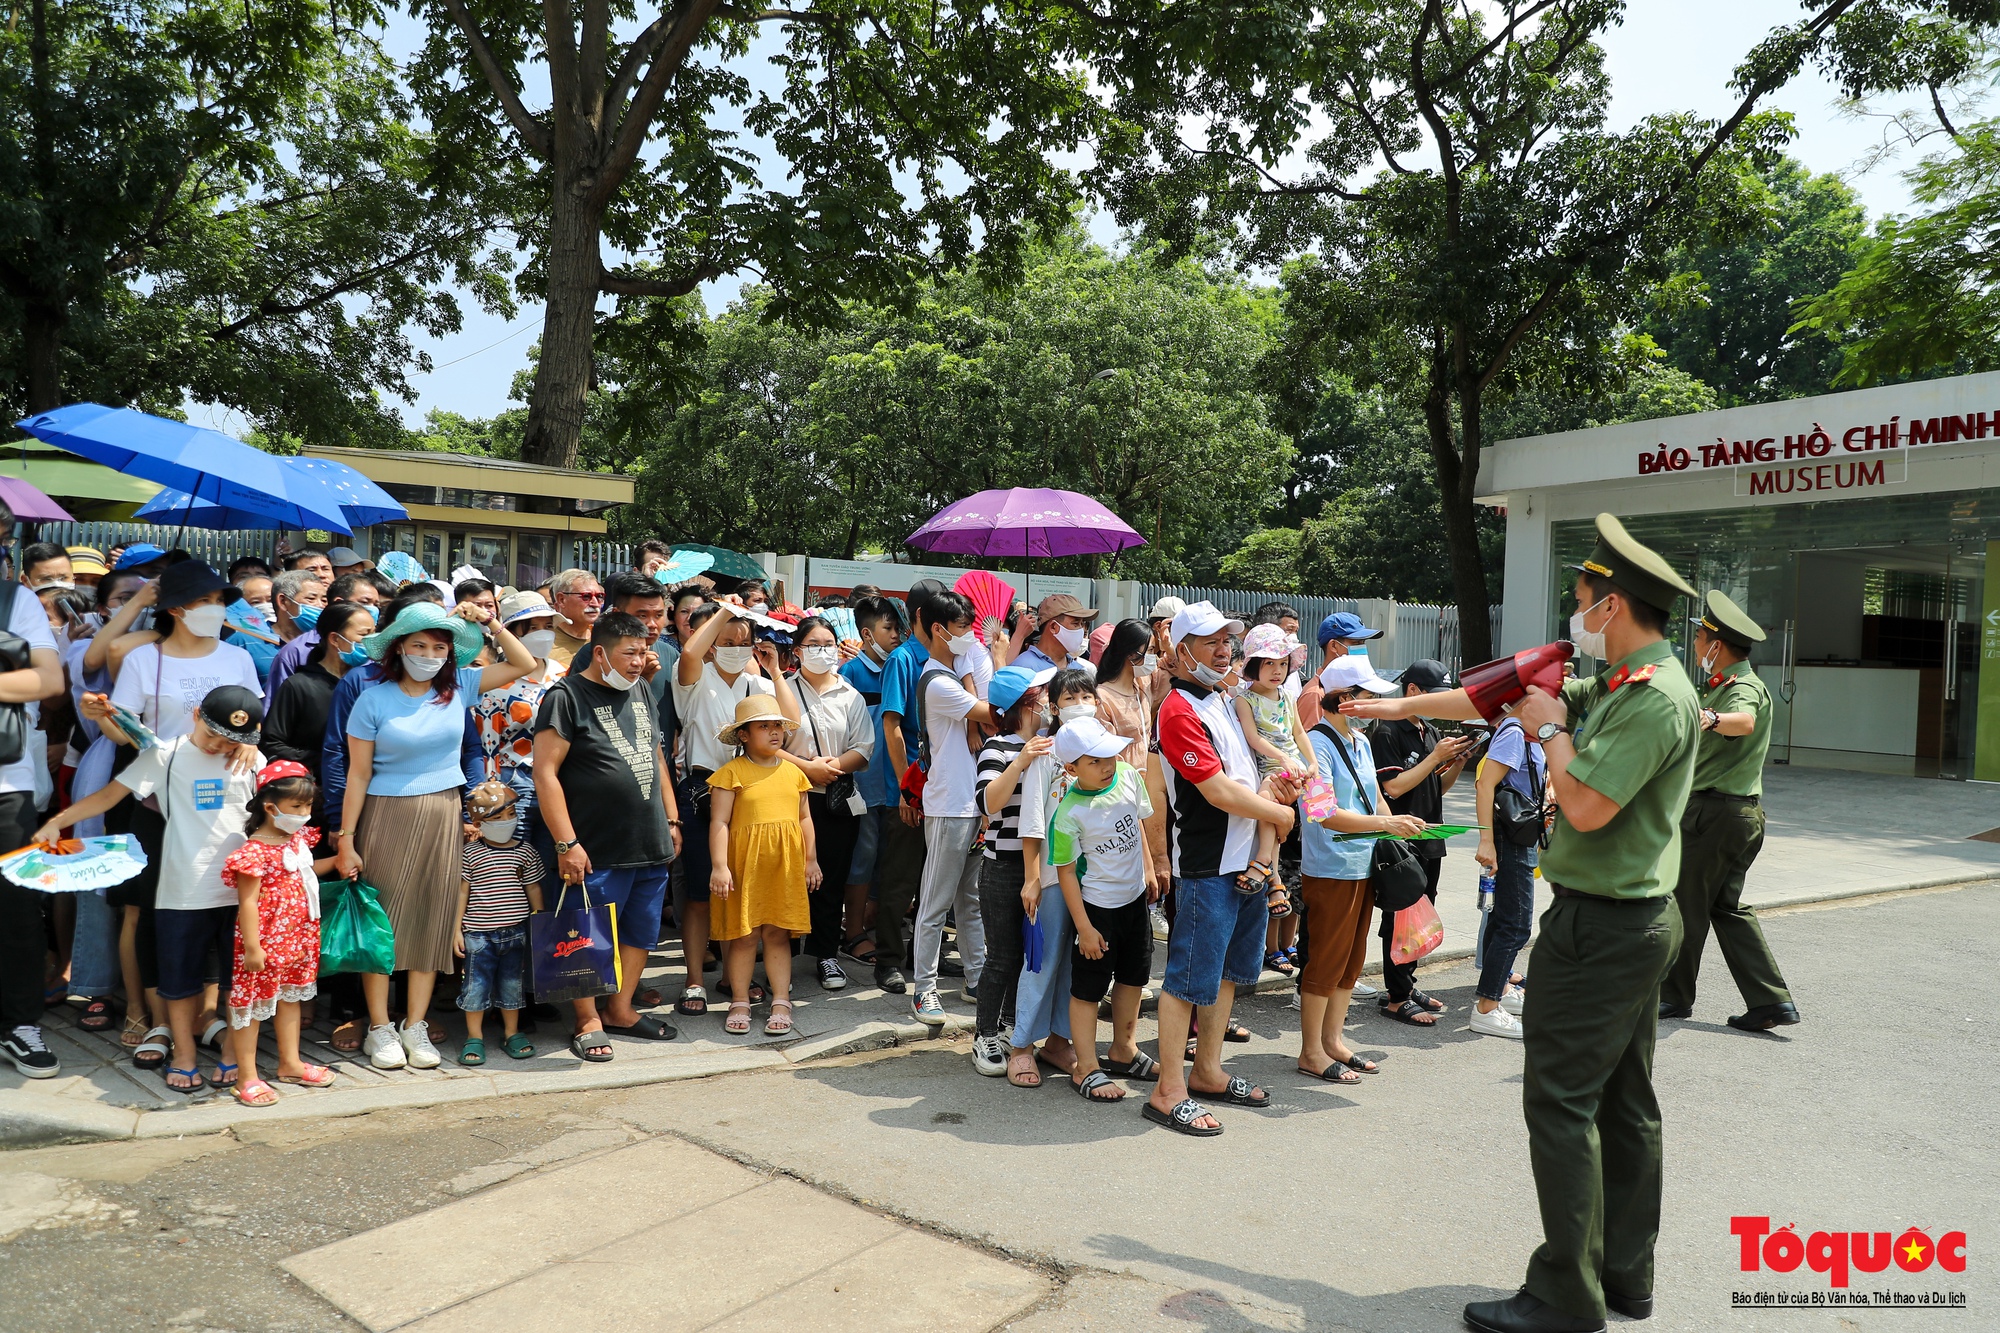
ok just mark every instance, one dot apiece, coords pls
pixel 1512 917
pixel 496 969
pixel 1218 936
pixel 93 956
pixel 1041 1001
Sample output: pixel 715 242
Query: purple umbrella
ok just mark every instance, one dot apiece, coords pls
pixel 1025 522
pixel 30 505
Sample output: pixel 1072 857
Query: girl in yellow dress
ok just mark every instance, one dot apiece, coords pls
pixel 761 845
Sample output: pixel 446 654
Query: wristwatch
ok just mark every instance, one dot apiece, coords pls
pixel 1709 719
pixel 562 848
pixel 1547 732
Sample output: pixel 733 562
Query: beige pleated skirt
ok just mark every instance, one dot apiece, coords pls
pixel 410 850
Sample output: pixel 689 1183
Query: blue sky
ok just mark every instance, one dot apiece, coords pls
pixel 1669 55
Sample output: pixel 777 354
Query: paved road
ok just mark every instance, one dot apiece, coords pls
pixel 1381 1208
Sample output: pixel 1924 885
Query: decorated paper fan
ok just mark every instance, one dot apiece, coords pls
pixel 400 567
pixel 75 865
pixel 684 566
pixel 841 620
pixel 991 595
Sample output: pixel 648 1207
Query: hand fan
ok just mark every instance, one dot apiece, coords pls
pixel 991 595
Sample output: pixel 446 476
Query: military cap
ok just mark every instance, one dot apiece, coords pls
pixel 1728 622
pixel 1633 567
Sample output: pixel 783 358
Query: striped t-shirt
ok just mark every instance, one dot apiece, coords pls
pixel 1003 830
pixel 497 880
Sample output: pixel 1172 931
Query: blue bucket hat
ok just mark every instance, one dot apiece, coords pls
pixel 1344 625
pixel 465 636
pixel 1009 683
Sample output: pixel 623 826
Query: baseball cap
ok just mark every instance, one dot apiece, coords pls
pixel 1009 683
pixel 1268 641
pixel 523 606
pixel 1344 625
pixel 87 560
pixel 1085 736
pixel 1198 619
pixel 1062 604
pixel 489 799
pixel 233 712
pixel 343 556
pixel 139 553
pixel 1354 673
pixel 1427 672
pixel 1166 608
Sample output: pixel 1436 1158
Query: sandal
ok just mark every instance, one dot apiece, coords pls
pixel 648 997
pixel 1236 1032
pixel 319 1076
pixel 1335 1072
pixel 211 1036
pixel 1255 876
pixel 190 1089
pixel 254 1092
pixel 135 1032
pixel 96 1015
pixel 1043 1057
pixel 738 1021
pixel 865 959
pixel 693 1002
pixel 1141 1068
pixel 1436 1006
pixel 222 1069
pixel 647 1028
pixel 472 1052
pixel 1093 1082
pixel 779 1023
pixel 1241 1092
pixel 1280 903
pixel 757 993
pixel 1182 1118
pixel 1360 1065
pixel 1021 1070
pixel 592 1046
pixel 1409 1011
pixel 347 1036
pixel 1276 961
pixel 519 1047
pixel 152 1052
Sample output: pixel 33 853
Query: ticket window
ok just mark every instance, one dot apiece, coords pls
pixel 487 552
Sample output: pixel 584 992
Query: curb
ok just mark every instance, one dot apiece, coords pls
pixel 34 1120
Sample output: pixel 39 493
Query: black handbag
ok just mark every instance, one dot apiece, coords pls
pixel 1395 875
pixel 15 655
pixel 841 788
pixel 1518 817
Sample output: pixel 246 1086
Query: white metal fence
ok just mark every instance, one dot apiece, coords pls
pixel 218 548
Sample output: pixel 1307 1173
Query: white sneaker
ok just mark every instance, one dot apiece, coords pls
pixel 1499 1023
pixel 1158 919
pixel 1363 991
pixel 1512 1000
pixel 417 1045
pixel 929 1010
pixel 382 1048
pixel 1293 1001
pixel 989 1056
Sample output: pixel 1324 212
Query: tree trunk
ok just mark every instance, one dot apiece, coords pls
pixel 41 336
pixel 569 327
pixel 1458 481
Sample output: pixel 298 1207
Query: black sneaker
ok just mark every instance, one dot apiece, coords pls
pixel 950 967
pixel 891 980
pixel 25 1048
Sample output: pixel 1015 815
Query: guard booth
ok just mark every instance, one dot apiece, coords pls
pixel 1857 529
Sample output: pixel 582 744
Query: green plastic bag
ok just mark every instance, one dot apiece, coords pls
pixel 354 931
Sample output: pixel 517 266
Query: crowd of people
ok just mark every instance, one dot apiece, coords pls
pixel 1009 812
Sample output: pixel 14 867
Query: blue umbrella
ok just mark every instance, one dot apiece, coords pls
pixel 364 503
pixel 205 464
pixel 178 509
pixel 361 508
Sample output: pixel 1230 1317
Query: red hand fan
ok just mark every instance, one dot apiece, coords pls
pixel 991 595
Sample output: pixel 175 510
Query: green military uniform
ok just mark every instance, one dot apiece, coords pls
pixel 1592 1011
pixel 1723 829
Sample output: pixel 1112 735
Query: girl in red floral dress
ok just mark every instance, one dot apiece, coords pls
pixel 277 928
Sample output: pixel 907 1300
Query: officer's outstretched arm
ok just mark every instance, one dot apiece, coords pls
pixel 1455 704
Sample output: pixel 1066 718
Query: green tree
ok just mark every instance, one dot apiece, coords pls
pixel 1475 224
pixel 1731 324
pixel 1267 559
pixel 905 137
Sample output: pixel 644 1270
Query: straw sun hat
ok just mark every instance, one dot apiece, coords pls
pixel 754 708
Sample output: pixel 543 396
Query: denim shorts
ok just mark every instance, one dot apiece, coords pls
pixel 640 893
pixel 181 939
pixel 1218 936
pixel 867 842
pixel 496 969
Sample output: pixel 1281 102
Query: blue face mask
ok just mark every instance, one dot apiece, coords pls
pixel 306 616
pixel 354 656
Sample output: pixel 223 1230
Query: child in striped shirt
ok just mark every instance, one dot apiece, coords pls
pixel 501 883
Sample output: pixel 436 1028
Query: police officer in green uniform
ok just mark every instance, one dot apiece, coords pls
pixel 1620 748
pixel 1723 828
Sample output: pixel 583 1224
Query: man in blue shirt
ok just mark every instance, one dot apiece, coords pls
pixel 881 634
pixel 1062 631
pixel 899 852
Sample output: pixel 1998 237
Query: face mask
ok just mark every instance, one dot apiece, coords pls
pixel 289 824
pixel 498 830
pixel 1042 718
pixel 1588 642
pixel 539 643
pixel 205 621
pixel 820 658
pixel 617 681
pixel 354 656
pixel 1206 674
pixel 963 644
pixel 1149 664
pixel 263 609
pixel 875 651
pixel 1076 712
pixel 306 616
pixel 1298 658
pixel 421 668
pixel 1071 639
pixel 733 660
pixel 1708 662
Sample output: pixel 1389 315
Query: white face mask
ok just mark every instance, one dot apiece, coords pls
pixel 205 621
pixel 498 830
pixel 1072 638
pixel 876 653
pixel 617 681
pixel 733 660
pixel 1588 642
pixel 1709 660
pixel 263 609
pixel 539 643
pixel 421 668
pixel 289 824
pixel 1076 712
pixel 1149 664
pixel 820 658
pixel 963 644
pixel 1204 673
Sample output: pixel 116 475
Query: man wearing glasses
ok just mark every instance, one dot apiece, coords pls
pixel 578 599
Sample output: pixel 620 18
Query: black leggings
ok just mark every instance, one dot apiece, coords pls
pixel 1000 909
pixel 834 831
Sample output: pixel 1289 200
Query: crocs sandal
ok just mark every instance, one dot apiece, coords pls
pixel 192 1088
pixel 1093 1082
pixel 519 1047
pixel 1141 1068
pixel 152 1052
pixel 315 1076
pixel 738 1021
pixel 96 1015
pixel 693 1002
pixel 254 1092
pixel 472 1052
pixel 780 1023
pixel 592 1046
pixel 1182 1118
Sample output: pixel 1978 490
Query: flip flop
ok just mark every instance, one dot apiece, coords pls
pixel 1092 1081
pixel 220 1069
pixel 96 1015
pixel 584 1048
pixel 314 1076
pixel 693 1002
pixel 1335 1072
pixel 1141 1068
pixel 152 1052
pixel 1241 1092
pixel 354 1030
pixel 254 1092
pixel 1181 1119
pixel 519 1047
pixel 647 1028
pixel 192 1088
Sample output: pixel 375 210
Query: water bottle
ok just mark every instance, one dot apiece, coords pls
pixel 1485 914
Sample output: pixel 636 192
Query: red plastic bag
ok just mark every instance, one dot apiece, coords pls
pixel 1417 932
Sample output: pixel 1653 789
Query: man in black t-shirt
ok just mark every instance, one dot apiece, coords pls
pixel 606 793
pixel 1416 767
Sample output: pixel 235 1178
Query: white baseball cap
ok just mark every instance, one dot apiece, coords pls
pixel 1166 608
pixel 1085 736
pixel 1355 673
pixel 1199 619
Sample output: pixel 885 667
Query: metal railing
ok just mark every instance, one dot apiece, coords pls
pixel 217 547
pixel 604 558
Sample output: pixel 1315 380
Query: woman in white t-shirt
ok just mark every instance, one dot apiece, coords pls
pixel 162 683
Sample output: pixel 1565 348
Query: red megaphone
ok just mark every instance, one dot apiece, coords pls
pixel 1496 684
